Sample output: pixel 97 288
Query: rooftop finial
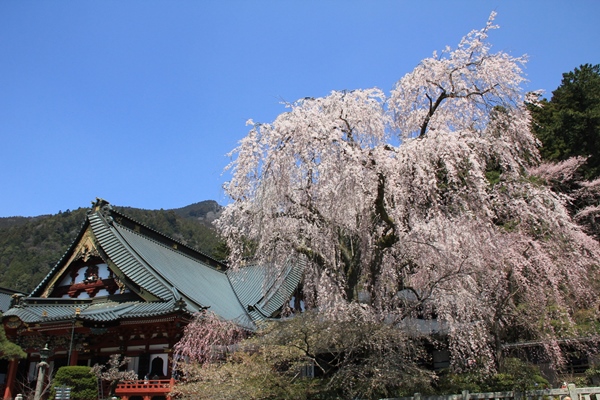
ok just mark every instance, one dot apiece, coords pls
pixel 99 204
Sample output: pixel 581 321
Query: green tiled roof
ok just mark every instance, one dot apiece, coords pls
pixel 199 284
pixel 175 275
pixel 263 290
pixel 34 313
pixel 126 258
pixel 5 298
pixel 97 312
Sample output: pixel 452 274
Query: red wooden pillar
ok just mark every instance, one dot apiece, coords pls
pixel 10 379
pixel 74 355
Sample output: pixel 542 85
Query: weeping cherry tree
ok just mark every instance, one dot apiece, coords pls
pixel 420 204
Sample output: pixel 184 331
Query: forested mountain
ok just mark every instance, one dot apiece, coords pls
pixel 29 247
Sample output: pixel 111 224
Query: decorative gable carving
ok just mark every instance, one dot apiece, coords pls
pixel 85 274
pixel 86 249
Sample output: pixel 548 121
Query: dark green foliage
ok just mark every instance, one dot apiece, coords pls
pixel 453 383
pixel 30 247
pixel 15 221
pixel 493 176
pixel 514 374
pixel 592 376
pixel 569 124
pixel 28 250
pixel 84 385
pixel 9 350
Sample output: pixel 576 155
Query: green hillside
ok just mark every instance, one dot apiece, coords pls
pixel 30 247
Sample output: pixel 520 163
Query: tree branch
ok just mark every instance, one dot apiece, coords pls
pixel 432 109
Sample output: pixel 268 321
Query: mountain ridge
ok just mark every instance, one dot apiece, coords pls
pixel 31 246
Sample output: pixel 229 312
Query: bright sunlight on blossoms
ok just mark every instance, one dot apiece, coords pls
pixel 421 205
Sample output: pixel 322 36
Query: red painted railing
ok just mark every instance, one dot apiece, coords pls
pixel 145 388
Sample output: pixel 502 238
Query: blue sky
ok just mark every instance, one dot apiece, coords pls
pixel 138 102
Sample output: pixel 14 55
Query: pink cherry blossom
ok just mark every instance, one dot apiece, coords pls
pixel 420 204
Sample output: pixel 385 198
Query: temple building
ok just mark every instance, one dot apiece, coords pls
pixel 124 288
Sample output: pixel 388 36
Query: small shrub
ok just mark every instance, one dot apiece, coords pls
pixel 84 385
pixel 454 383
pixel 517 375
pixel 513 375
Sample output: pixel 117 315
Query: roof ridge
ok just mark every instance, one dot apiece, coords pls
pixel 108 209
pixel 168 248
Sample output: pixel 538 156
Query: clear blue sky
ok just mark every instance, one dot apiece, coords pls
pixel 138 102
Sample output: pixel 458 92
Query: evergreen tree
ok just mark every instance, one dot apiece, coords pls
pixel 569 124
pixel 9 350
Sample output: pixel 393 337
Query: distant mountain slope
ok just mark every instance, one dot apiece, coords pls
pixel 29 247
pixel 6 222
pixel 205 211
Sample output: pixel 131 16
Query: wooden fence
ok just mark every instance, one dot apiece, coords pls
pixel 575 393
